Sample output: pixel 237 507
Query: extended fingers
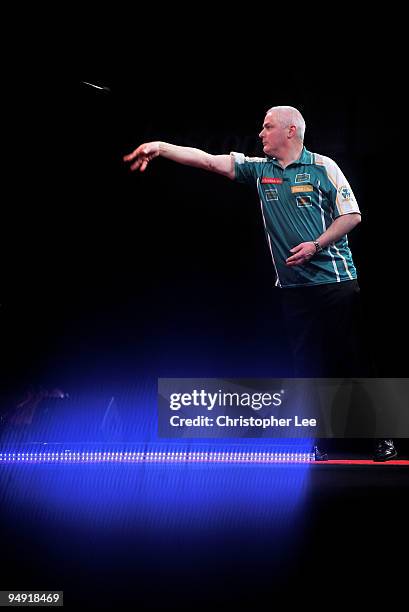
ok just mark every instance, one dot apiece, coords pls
pixel 130 156
pixel 296 249
pixel 136 153
pixel 141 164
pixel 140 158
pixel 299 258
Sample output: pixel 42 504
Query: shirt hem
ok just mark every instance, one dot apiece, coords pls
pixel 326 282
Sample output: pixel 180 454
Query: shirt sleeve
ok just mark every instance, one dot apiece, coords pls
pixel 345 201
pixel 246 169
pixel 342 196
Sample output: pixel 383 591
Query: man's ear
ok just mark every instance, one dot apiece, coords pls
pixel 292 131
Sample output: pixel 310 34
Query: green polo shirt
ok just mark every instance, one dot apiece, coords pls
pixel 298 204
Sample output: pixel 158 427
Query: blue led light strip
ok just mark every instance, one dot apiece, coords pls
pixel 190 456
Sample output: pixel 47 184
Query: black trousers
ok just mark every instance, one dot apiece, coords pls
pixel 326 330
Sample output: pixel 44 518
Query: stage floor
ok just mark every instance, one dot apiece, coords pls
pixel 214 537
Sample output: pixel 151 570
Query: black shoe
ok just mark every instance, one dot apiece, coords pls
pixel 385 451
pixel 319 455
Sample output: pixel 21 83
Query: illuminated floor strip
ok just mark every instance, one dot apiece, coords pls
pixel 68 456
pixel 72 456
pixel 400 462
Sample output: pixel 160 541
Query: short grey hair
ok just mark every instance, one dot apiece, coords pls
pixel 288 115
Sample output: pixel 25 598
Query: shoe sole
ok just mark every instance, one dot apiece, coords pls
pixel 383 459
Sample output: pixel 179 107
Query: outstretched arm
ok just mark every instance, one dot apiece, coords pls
pixel 140 157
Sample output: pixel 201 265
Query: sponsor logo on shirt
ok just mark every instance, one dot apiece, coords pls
pixel 301 188
pixel 345 192
pixel 302 178
pixel 271 194
pixel 271 180
pixel 303 201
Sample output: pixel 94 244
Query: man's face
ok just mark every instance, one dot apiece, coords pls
pixel 273 135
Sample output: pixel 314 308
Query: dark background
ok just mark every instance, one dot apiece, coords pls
pixel 109 274
pixel 112 279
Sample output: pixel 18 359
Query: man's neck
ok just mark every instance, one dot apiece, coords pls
pixel 290 156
